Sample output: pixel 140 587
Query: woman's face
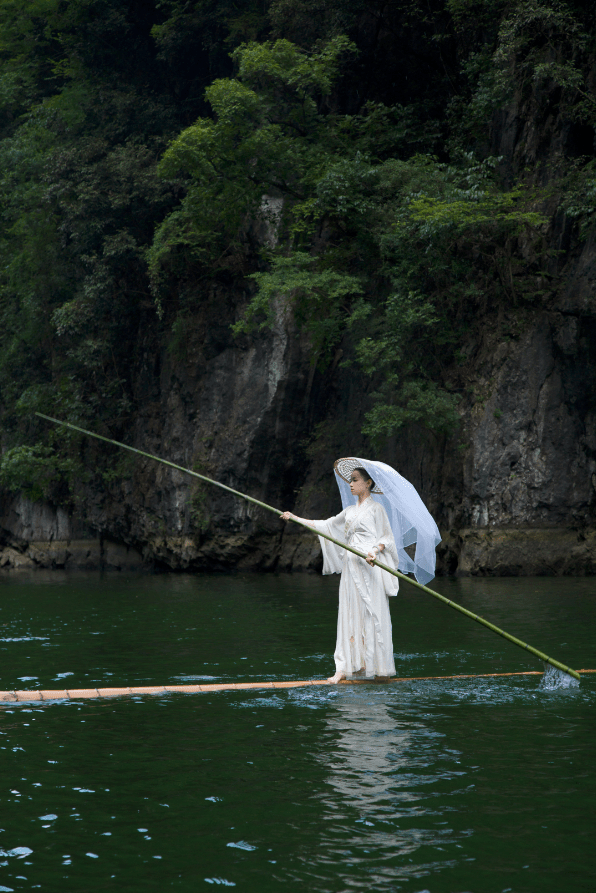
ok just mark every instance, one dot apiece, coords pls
pixel 358 485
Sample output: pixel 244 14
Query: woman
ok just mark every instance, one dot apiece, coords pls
pixel 364 641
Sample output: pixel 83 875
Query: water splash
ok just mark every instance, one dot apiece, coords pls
pixel 554 679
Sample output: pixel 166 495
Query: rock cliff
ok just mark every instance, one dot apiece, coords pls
pixel 513 491
pixel 513 494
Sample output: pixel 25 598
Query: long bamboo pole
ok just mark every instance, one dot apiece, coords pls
pixel 390 570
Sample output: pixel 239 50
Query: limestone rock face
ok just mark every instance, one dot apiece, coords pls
pixel 28 520
pixel 519 497
pixel 532 458
pixel 12 558
pixel 236 410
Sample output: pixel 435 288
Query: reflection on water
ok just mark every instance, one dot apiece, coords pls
pixel 479 785
pixel 370 749
pixel 383 777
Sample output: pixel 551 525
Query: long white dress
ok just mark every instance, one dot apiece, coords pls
pixel 364 639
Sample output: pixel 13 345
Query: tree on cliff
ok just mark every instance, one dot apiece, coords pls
pixel 377 244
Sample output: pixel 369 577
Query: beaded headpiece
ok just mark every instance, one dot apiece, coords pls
pixel 345 467
pixel 410 520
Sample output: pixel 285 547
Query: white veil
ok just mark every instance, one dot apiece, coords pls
pixel 410 520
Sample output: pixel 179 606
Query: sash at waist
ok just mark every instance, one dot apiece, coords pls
pixel 363 544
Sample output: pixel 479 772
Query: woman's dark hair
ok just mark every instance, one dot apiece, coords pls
pixel 365 476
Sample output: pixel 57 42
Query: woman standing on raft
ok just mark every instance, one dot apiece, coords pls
pixel 379 528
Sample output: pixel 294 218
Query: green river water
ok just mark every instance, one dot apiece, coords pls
pixel 446 786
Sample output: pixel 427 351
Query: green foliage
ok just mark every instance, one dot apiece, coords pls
pixel 369 250
pixel 35 471
pixel 150 149
pixel 536 49
pixel 79 194
pixel 320 298
pixel 579 198
pixel 89 98
pixel 262 138
pixel 419 401
pixel 465 210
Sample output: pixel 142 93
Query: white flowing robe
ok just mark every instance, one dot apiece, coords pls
pixel 364 639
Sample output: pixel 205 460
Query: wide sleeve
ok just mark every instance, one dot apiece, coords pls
pixel 389 556
pixel 333 555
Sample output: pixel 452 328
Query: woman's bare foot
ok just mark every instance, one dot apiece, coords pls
pixel 337 678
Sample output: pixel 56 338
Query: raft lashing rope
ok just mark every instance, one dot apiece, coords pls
pixel 551 662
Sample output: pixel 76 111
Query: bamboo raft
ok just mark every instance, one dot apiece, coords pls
pixel 77 694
